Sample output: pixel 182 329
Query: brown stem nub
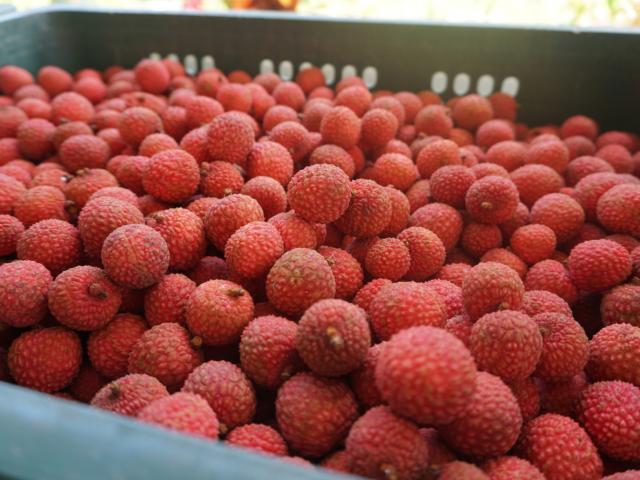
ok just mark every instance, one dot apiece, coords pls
pixel 196 342
pixel 114 390
pixel 96 290
pixel 389 471
pixel 335 339
pixel 226 192
pixel 487 205
pixel 504 306
pixel 222 428
pixel 235 292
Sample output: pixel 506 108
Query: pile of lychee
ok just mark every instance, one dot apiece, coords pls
pixel 376 283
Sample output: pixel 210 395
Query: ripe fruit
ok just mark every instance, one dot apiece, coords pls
pixel 471 111
pixel 171 176
pixel 492 200
pixel 363 379
pixel 23 292
pixel 552 153
pixel 135 256
pixel 341 127
pixel 507 344
pixel 533 243
pixel 227 391
pixel 615 209
pixel 52 243
pixel 83 298
pixel 449 184
pixel 388 258
pixel 535 302
pixel 378 126
pixel 229 214
pixel 383 445
pixel 166 301
pixel 443 220
pixel 439 391
pixel 10 230
pixel 71 107
pixel 320 193
pixel 508 154
pixel 84 151
pixel 560 449
pixel 110 346
pixel 614 354
pixel 509 468
pixel 129 394
pixel 184 412
pixel 259 438
pixel 314 413
pixel 560 213
pixel 333 337
pixel 333 155
pixel 552 276
pixel 369 211
pixel 285 290
pixel 230 138
pixel 217 311
pixel 268 193
pixel 620 305
pixel 270 159
pixel 86 183
pixel 346 270
pixel 166 352
pixel 152 75
pixel 597 265
pixel 491 286
pixel 478 239
pixel 40 203
pixel 396 170
pixel 136 123
pixel 294 231
pixel 45 359
pixel 436 154
pixel 535 181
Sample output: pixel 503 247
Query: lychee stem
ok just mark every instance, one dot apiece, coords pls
pixel 335 339
pixel 487 205
pixel 196 342
pixel 389 471
pixel 222 428
pixel 115 390
pixel 235 292
pixel 96 290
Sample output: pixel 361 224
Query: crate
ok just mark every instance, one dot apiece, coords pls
pixel 553 73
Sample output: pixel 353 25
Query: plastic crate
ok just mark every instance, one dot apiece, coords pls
pixel 553 72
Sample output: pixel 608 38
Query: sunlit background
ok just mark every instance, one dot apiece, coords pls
pixel 549 12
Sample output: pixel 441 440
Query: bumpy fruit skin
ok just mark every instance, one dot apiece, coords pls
pixel 443 220
pixel 560 213
pixel 295 232
pixel 109 347
pixel 314 413
pixel 83 298
pixel 383 445
pixel 341 127
pixel 615 209
pixel 492 200
pixel 166 352
pixel 259 438
pixel 227 391
pixel 129 394
pixel 183 232
pixel 535 302
pixel 436 154
pixel 395 170
pixel 597 265
pixel 533 243
pixel 369 211
pixel 84 151
pixel 217 311
pixel 99 217
pixel 346 270
pixel 614 354
pixel 10 230
pixel 86 183
pixel 449 184
pixel 165 301
pixel 298 279
pixel 23 292
pixel 457 470
pixel 507 344
pixel 135 256
pixel 185 412
pixel 368 292
pixel 45 359
pixel 363 380
pixel 610 413
pixel 535 181
pixel 565 347
pixel 53 243
pixel 478 239
pixel 426 250
pixel 137 123
pixel 228 215
pixel 453 272
pixel 320 193
pixel 270 159
pixel 401 305
pixel 471 111
pixel 230 138
pixel 511 468
pixel 388 258
pixel 268 193
pixel 491 286
pixel 439 391
pixel 40 203
pixel 220 179
pixel 333 337
pixel 172 176
pixel 267 350
pixel 400 210
pixel 337 462
pixel 552 276
pixel 621 305
pixel 626 475
pixel 560 449
pixel 490 423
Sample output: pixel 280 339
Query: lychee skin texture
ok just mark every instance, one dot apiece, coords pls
pixel 109 347
pixel 165 352
pixel 436 154
pixel 259 438
pixel 626 475
pixel 457 469
pixel 510 468
pixel 471 111
pixel 439 391
pixel 298 279
pixel 270 159
pixel 426 250
pixel 368 292
pixel 402 305
pixel 23 292
pixel 45 359
pixel 227 390
pixel 491 286
pixel 135 256
pixel 172 176
pixel 217 311
pixel 314 413
pixel 396 170
pixel 614 354
pixel 610 413
pixel 84 151
pixel 319 193
pixel 129 394
pixel 53 243
pixel 443 220
pixel 560 213
pixel 560 449
pixel 507 344
pixel 10 230
pixel 533 243
pixel 565 347
pixel 295 232
pixel 615 209
pixel 346 270
pixel 449 184
pixel 340 126
pixel 535 181
pixel 228 215
pixel 369 211
pixel 267 350
pixel 333 337
pixel 184 412
pixel 165 301
pixel 363 380
pixel 137 123
pixel 492 200
pixel 552 276
pixel 536 302
pixel 83 298
pixel 230 139
pixel 383 445
pixel 621 305
pixel 269 194
pixel 152 76
pixel 388 258
pixel 597 265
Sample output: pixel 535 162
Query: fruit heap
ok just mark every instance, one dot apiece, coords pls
pixel 379 283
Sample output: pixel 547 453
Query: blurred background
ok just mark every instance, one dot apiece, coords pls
pixel 545 12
